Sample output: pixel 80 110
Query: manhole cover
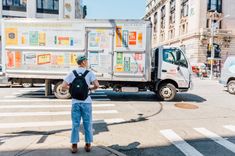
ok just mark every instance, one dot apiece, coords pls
pixel 186 106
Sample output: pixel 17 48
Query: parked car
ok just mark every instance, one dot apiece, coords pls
pixel 228 74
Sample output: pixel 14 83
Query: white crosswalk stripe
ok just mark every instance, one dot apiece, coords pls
pixel 96 96
pixel 53 123
pixel 182 145
pixel 227 144
pixel 230 127
pixel 21 114
pixel 49 106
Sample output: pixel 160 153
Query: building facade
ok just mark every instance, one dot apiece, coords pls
pixel 69 9
pixel 194 25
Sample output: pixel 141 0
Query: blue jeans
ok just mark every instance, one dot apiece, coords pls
pixel 84 111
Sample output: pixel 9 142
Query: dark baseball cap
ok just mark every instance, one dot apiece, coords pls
pixel 81 58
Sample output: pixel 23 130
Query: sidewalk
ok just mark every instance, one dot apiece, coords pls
pixel 54 145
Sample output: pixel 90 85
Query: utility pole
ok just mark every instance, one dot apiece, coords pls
pixel 212 32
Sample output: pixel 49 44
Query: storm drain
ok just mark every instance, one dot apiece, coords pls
pixel 186 106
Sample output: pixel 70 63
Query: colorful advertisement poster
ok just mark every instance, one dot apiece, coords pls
pixel 10 59
pixel 120 58
pixel 18 59
pixel 132 63
pixel 30 58
pixel 94 58
pixel 63 41
pixel 42 39
pixel 118 36
pixel 125 38
pixel 127 64
pixel 57 59
pixel 93 40
pixel 44 59
pixel 72 60
pixel 132 38
pixel 33 38
pixel 119 62
pixel 140 39
pixel 11 36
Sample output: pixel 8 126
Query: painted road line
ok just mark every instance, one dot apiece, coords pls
pixel 94 95
pixel 35 100
pixel 53 123
pixel 230 127
pixel 45 100
pixel 180 143
pixel 21 114
pixel 227 144
pixel 50 106
pixel 101 99
pixel 10 96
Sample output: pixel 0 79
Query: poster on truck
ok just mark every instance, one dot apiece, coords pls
pixel 99 50
pixel 41 60
pixel 130 63
pixel 130 37
pixel 38 35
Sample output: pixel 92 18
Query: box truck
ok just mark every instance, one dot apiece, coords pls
pixel 119 52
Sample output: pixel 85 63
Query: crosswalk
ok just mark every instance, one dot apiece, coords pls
pixel 29 110
pixel 187 149
pixel 99 95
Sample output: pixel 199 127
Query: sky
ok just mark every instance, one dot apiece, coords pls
pixel 115 9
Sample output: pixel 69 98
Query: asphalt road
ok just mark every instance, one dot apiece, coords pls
pixel 137 124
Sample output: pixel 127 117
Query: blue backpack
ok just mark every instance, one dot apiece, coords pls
pixel 79 88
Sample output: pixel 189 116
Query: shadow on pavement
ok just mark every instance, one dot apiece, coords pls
pixel 42 151
pixel 203 145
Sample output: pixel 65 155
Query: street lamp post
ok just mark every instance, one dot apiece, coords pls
pixel 213 28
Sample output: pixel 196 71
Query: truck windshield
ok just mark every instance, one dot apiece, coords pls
pixel 174 56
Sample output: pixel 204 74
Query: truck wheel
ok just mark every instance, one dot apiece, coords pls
pixel 231 87
pixel 166 92
pixel 59 93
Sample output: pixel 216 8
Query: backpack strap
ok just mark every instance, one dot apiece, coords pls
pixel 75 73
pixel 85 73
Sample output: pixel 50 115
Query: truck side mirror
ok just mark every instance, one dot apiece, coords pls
pixel 178 55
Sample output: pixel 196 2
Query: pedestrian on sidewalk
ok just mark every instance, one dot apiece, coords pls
pixel 82 104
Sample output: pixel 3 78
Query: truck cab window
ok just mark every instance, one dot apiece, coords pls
pixel 174 56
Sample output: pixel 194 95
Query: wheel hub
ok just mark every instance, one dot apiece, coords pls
pixel 166 92
pixel 232 88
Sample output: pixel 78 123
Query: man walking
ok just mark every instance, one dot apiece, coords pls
pixel 81 101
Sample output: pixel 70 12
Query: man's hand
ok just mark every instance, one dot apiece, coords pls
pixel 95 85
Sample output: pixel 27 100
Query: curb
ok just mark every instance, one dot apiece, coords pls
pixel 111 150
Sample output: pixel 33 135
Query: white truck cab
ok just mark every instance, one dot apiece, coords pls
pixel 228 74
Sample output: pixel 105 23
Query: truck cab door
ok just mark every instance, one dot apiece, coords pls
pixel 174 65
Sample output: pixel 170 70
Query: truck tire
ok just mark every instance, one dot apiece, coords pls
pixel 166 92
pixel 59 93
pixel 231 87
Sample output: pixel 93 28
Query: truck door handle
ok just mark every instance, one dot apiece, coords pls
pixel 163 70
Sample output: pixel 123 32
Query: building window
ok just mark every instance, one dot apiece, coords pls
pixel 48 6
pixel 155 22
pixel 14 5
pixel 183 28
pixel 163 16
pixel 215 5
pixel 171 34
pixel 172 11
pixel 184 8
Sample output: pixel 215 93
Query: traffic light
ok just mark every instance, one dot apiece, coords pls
pixel 217 50
pixel 84 11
